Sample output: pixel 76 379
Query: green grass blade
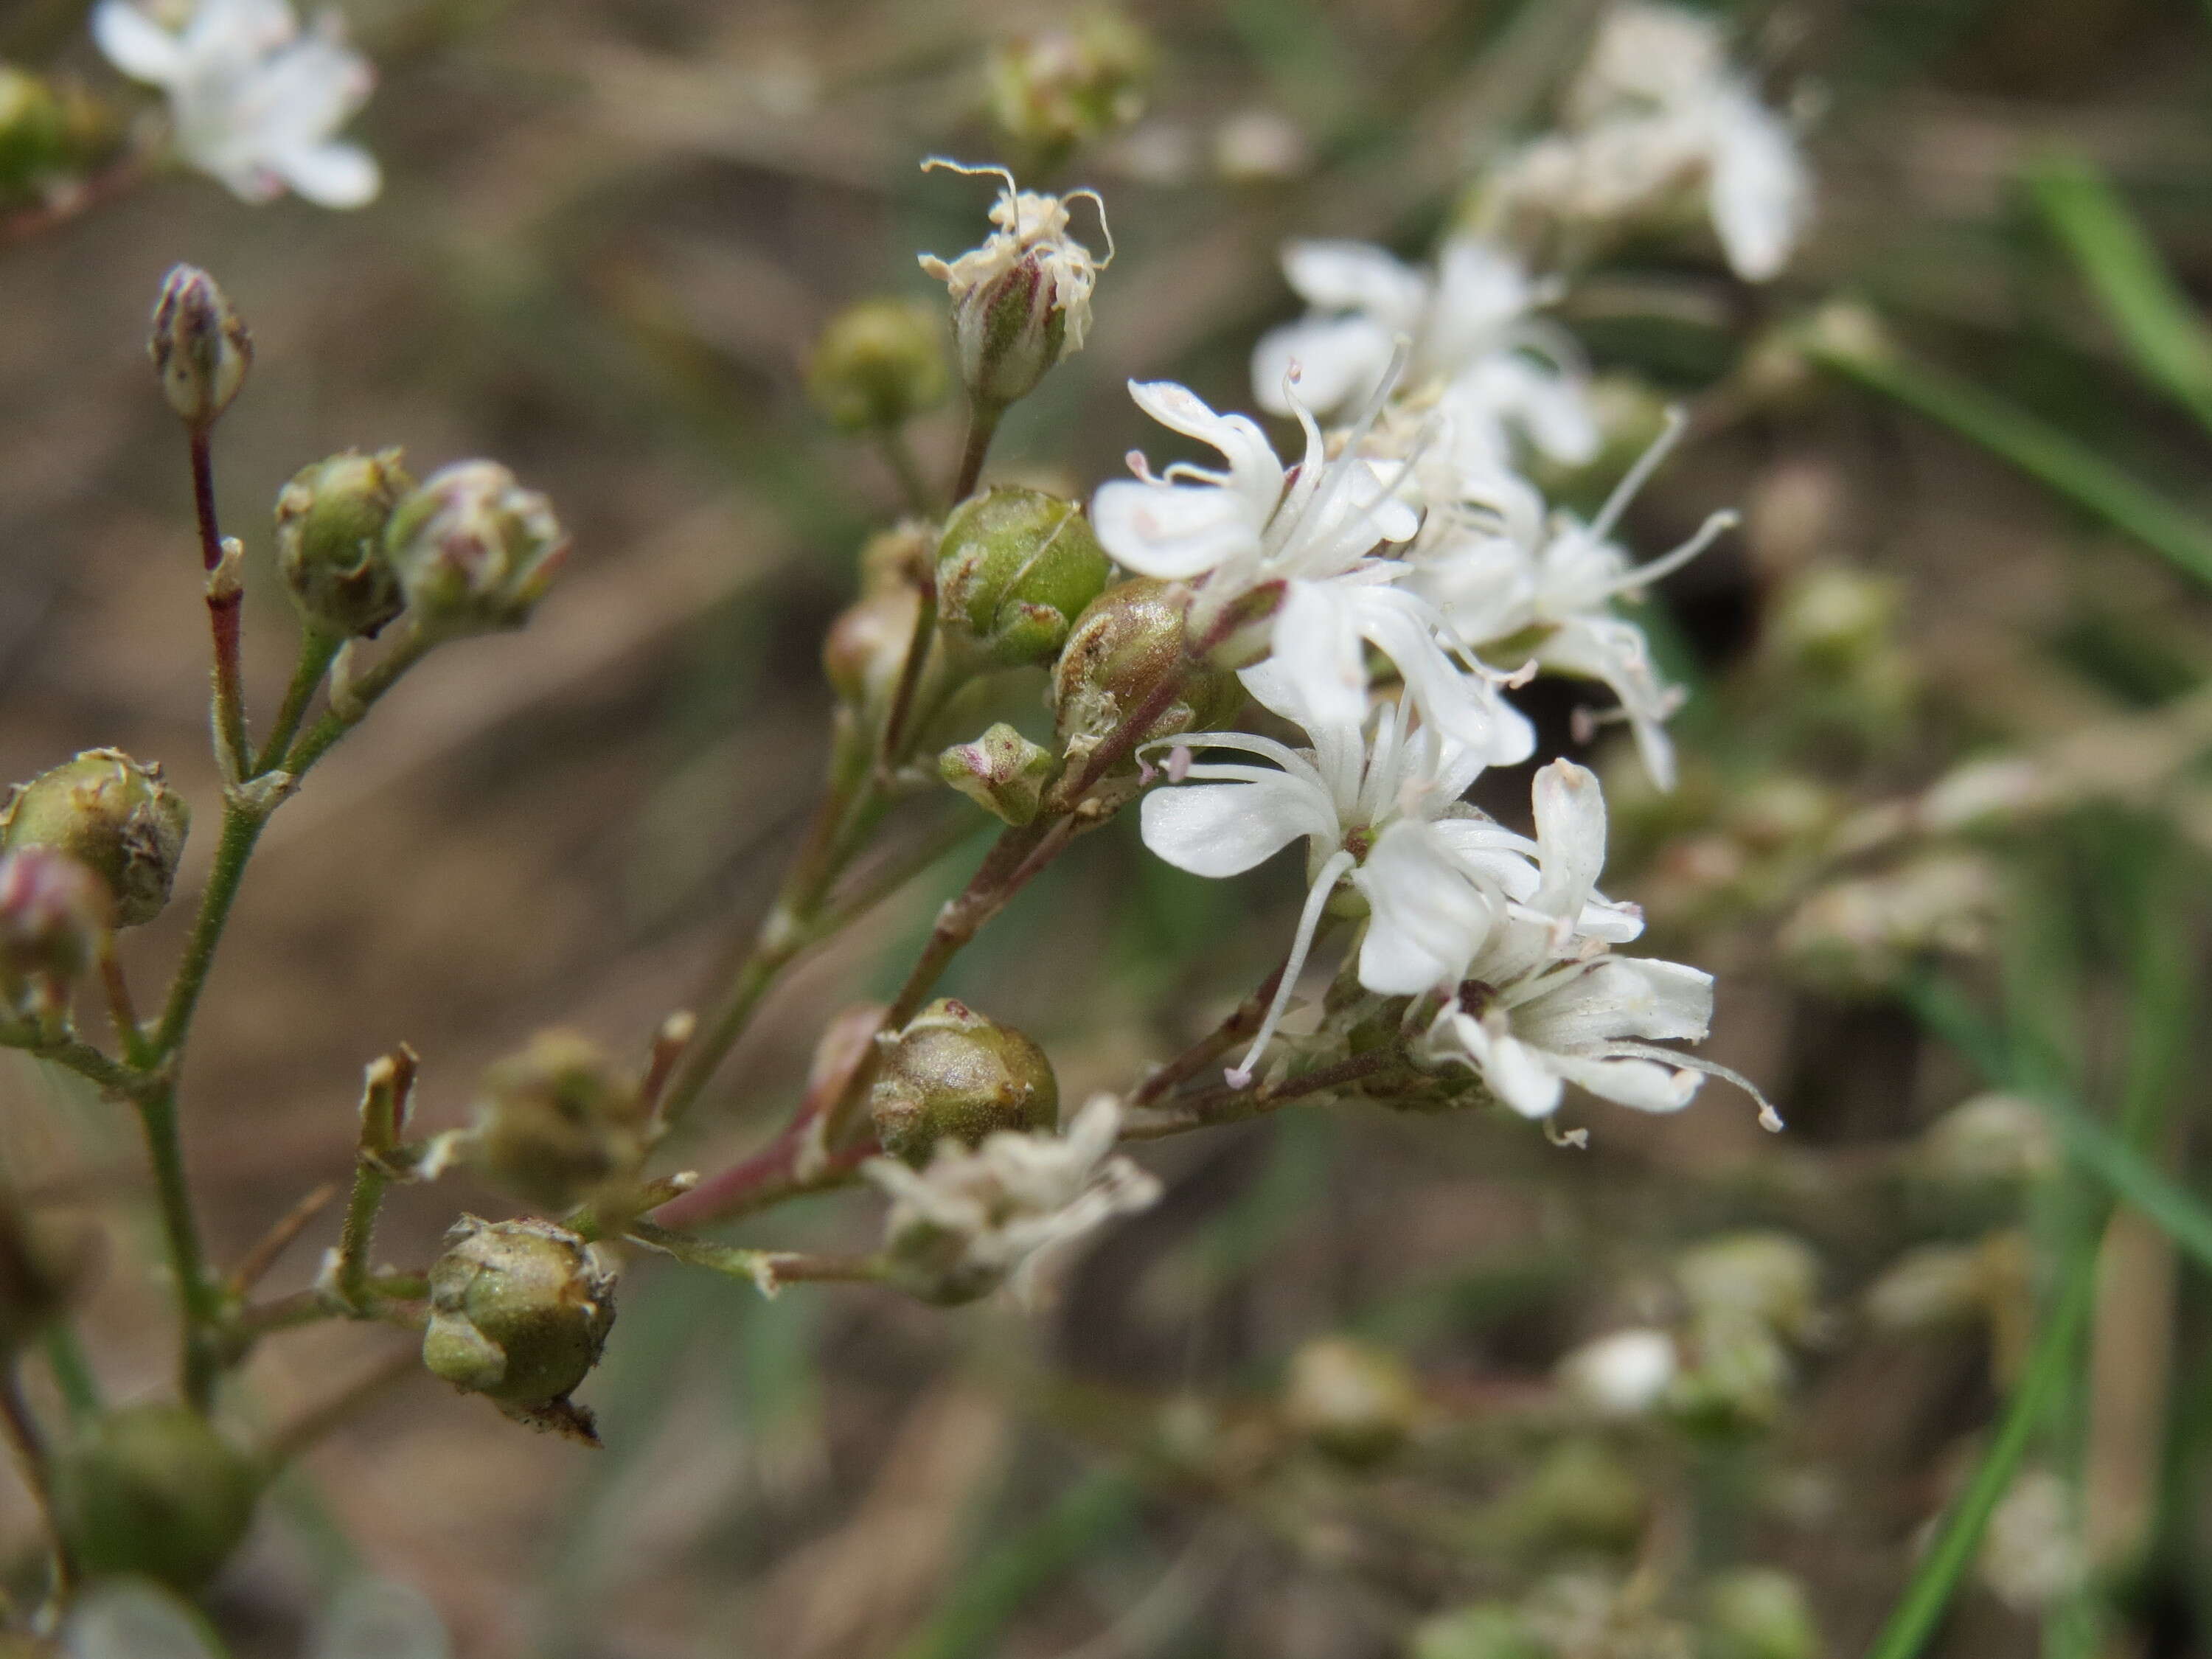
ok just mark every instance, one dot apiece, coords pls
pixel 2045 453
pixel 2131 282
pixel 1921 1608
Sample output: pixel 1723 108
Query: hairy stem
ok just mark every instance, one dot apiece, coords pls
pixel 197 1299
pixel 224 600
pixel 316 650
pixel 242 825
pixel 1224 1104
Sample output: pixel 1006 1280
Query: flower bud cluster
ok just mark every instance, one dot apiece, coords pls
pixel 200 348
pixel 156 1492
pixel 954 1074
pixel 55 913
pixel 1015 567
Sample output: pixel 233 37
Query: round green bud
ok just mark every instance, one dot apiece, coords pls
pixel 878 363
pixel 1487 1629
pixel 330 522
pixel 557 1123
pixel 474 550
pixel 1581 1497
pixel 111 815
pixel 34 137
pixel 1060 87
pixel 520 1312
pixel 200 348
pixel 954 1072
pixel 1355 1402
pixel 1122 647
pixel 1756 1613
pixel 154 1491
pixel 1014 569
pixel 54 912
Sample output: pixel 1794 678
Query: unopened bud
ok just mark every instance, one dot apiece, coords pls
pixel 1015 568
pixel 201 351
pixel 54 912
pixel 1756 1613
pixel 1768 1278
pixel 156 1491
pixel 557 1124
pixel 1582 1496
pixel 520 1312
pixel 330 522
pixel 878 364
pixel 1002 772
pixel 1488 1630
pixel 954 1073
pixel 1356 1402
pixel 113 816
pixel 1022 301
pixel 1060 87
pixel 1129 641
pixel 474 550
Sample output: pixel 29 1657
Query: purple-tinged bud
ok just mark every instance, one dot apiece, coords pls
pixel 474 550
pixel 878 364
pixel 330 522
pixel 200 349
pixel 111 814
pixel 953 1073
pixel 1002 772
pixel 54 912
pixel 1129 641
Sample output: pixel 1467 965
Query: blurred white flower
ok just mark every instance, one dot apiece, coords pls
pixel 1377 803
pixel 1505 573
pixel 254 102
pixel 1657 114
pixel 975 1219
pixel 1318 533
pixel 1623 1375
pixel 1468 336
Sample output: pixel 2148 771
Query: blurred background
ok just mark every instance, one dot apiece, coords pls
pixel 608 236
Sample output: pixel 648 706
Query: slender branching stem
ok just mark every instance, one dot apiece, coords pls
pixel 136 1053
pixel 72 1372
pixel 317 648
pixel 982 426
pixel 198 1299
pixel 242 823
pixel 898 455
pixel 765 1268
pixel 32 1461
pixel 255 1264
pixel 1225 1105
pixel 225 598
pixel 1242 1024
pixel 896 720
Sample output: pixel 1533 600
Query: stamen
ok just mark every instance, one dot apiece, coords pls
pixel 1104 230
pixel 1240 1075
pixel 1602 527
pixel 1769 1119
pixel 1643 576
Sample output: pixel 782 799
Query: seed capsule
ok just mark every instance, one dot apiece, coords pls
pixel 952 1072
pixel 1015 568
pixel 878 364
pixel 519 1312
pixel 111 815
pixel 154 1491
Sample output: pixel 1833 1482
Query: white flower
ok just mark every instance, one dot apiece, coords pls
pixel 1657 114
pixel 1623 1375
pixel 1377 804
pixel 255 102
pixel 1468 333
pixel 1503 572
pixel 1317 534
pixel 975 1219
pixel 1548 1004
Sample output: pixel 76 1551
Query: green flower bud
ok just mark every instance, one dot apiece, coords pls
pixel 1738 1377
pixel 878 364
pixel 200 349
pixel 1756 1613
pixel 1355 1402
pixel 1768 1278
pixel 1488 1630
pixel 520 1312
pixel 953 1073
pixel 475 551
pixel 35 136
pixel 154 1491
pixel 1002 772
pixel 557 1124
pixel 1581 1497
pixel 111 815
pixel 1121 648
pixel 1014 567
pixel 331 520
pixel 1060 87
pixel 54 912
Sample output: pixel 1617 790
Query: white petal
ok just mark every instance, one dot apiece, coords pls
pixel 1569 836
pixel 1761 195
pixel 1340 360
pixel 1518 1075
pixel 1428 919
pixel 1480 290
pixel 1256 472
pixel 1491 853
pixel 1316 648
pixel 1172 532
pixel 1358 276
pixel 1643 1084
pixel 331 175
pixel 1225 828
pixel 135 44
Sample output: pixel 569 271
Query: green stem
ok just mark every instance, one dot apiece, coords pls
pixel 73 1377
pixel 197 1298
pixel 87 1061
pixel 36 1467
pixel 2045 453
pixel 898 455
pixel 241 828
pixel 358 1235
pixel 317 648
pixel 982 426
pixel 1921 1609
pixel 765 1269
pixel 358 698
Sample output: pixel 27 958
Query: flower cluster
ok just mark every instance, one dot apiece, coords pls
pixel 1384 592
